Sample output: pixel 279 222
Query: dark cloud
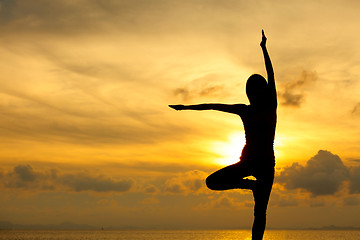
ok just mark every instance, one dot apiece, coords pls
pixel 354 186
pixel 291 94
pixel 83 182
pixel 323 174
pixel 355 160
pixel 187 94
pixel 291 99
pixel 356 109
pixel 351 201
pixel 24 176
pixel 25 173
pixel 205 86
pixel 174 187
pixel 184 93
pixel 151 189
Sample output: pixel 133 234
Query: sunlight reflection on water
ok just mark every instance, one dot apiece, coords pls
pixel 177 235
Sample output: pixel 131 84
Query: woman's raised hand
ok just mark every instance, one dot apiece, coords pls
pixel 263 40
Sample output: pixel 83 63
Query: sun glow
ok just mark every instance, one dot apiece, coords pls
pixel 230 150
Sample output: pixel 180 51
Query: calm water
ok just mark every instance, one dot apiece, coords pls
pixel 178 235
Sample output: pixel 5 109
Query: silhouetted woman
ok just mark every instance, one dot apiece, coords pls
pixel 257 158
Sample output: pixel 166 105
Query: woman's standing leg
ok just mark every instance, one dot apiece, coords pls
pixel 261 193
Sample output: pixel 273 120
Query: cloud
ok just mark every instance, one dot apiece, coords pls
pixel 355 160
pixel 150 189
pixel 205 86
pixel 80 102
pixel 81 17
pixel 356 110
pixel 148 167
pixel 82 182
pixel 323 174
pixel 28 116
pixel 24 176
pixel 283 200
pixel 52 17
pixel 354 186
pixel 291 93
pixel 25 173
pixel 317 203
pixel 149 201
pixel 187 94
pixel 225 202
pixel 351 201
pixel 186 183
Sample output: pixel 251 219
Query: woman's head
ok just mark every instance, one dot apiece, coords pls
pixel 256 87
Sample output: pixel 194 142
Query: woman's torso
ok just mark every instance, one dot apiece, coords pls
pixel 259 124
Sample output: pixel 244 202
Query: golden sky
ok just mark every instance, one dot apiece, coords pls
pixel 87 137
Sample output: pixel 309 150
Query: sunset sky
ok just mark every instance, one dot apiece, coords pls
pixel 87 135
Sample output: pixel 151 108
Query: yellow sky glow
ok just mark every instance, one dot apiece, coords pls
pixel 87 134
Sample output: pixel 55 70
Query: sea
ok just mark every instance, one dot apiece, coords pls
pixel 177 235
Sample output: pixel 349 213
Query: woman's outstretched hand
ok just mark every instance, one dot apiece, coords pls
pixel 177 107
pixel 263 40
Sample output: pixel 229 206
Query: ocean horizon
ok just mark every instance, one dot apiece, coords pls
pixel 177 234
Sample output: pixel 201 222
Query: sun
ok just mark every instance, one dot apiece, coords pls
pixel 230 150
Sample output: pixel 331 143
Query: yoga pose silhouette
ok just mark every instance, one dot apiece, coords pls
pixel 257 158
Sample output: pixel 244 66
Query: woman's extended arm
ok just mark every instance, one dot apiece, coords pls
pixel 229 108
pixel 269 69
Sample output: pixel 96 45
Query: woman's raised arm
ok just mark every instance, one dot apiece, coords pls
pixel 269 69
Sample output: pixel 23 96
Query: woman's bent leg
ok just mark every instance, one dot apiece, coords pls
pixel 230 177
